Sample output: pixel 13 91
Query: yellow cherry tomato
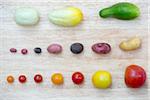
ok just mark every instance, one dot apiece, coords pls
pixel 101 79
pixel 57 79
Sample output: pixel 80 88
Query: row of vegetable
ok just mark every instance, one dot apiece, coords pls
pixel 72 16
pixel 135 77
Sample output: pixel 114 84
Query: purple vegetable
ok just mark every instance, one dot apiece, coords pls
pixel 13 50
pixel 24 51
pixel 101 48
pixel 54 48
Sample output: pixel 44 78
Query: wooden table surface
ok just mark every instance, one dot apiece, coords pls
pixel 93 29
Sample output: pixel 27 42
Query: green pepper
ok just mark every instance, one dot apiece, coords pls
pixel 123 10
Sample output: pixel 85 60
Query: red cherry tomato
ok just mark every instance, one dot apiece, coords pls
pixel 38 78
pixel 135 76
pixel 77 77
pixel 22 78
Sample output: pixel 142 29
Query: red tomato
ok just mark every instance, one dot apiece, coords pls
pixel 77 77
pixel 135 76
pixel 38 78
pixel 22 78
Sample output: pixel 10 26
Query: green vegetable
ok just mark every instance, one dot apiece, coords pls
pixel 123 10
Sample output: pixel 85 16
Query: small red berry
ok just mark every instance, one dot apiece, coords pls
pixel 13 50
pixel 24 51
pixel 38 78
pixel 22 78
pixel 77 77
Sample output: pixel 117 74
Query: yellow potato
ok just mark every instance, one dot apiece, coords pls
pixel 131 44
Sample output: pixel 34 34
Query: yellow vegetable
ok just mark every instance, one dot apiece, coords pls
pixel 131 44
pixel 70 16
pixel 101 79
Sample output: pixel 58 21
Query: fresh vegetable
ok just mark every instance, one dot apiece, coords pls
pixel 22 79
pixel 57 79
pixel 76 48
pixel 123 10
pixel 101 48
pixel 26 16
pixel 10 79
pixel 77 78
pixel 131 44
pixel 70 16
pixel 101 79
pixel 37 50
pixel 135 76
pixel 38 78
pixel 54 48
pixel 13 50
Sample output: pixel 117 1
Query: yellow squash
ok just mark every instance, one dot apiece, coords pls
pixel 70 16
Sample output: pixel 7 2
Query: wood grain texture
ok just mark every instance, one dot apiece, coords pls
pixel 92 29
